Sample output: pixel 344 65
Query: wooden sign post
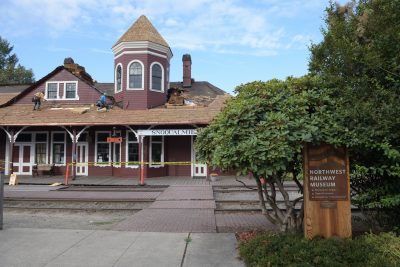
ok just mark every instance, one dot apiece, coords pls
pixel 327 210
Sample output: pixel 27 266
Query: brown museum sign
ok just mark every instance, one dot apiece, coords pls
pixel 327 181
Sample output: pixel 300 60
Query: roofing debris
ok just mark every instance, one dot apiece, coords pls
pixel 23 115
pixel 78 70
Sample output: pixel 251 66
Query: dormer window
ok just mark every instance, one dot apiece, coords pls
pixel 65 90
pixel 52 91
pixel 135 75
pixel 118 78
pixel 157 77
pixel 70 90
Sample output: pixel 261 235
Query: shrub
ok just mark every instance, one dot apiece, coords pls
pixel 293 250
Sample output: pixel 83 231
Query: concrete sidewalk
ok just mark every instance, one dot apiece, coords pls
pixel 56 247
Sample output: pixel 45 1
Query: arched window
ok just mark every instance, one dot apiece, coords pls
pixel 156 77
pixel 135 75
pixel 118 78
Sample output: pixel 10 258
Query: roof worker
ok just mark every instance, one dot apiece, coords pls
pixel 36 99
pixel 102 102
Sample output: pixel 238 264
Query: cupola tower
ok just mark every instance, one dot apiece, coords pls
pixel 141 66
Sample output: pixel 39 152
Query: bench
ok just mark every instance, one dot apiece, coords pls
pixel 43 168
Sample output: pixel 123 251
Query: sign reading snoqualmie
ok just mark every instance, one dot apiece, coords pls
pixel 171 132
pixel 327 181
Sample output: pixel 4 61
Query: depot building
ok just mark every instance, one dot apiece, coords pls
pixel 148 131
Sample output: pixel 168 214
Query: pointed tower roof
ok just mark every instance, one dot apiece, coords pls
pixel 142 30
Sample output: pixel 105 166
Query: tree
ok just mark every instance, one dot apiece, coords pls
pixel 261 131
pixel 10 71
pixel 359 61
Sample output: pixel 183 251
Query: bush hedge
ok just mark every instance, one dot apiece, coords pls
pixel 279 249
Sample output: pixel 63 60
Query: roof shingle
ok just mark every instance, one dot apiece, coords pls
pixel 142 30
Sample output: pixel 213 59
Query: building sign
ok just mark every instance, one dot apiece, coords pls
pixel 327 208
pixel 114 139
pixel 162 132
pixel 327 181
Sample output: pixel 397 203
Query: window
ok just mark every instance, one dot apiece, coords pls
pixel 67 90
pixel 70 90
pixel 41 148
pixel 52 91
pixel 157 151
pixel 40 153
pixel 58 148
pixel 118 78
pixel 135 75
pixel 24 137
pixel 103 148
pixel 156 77
pixel 132 150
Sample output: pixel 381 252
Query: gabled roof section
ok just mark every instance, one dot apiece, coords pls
pixel 9 99
pixel 30 88
pixel 142 30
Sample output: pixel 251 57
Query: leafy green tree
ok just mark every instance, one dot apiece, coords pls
pixel 359 61
pixel 10 71
pixel 261 131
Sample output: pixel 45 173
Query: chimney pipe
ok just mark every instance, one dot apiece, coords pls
pixel 187 70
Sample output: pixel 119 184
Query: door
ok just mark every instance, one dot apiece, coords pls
pixel 22 159
pixel 82 159
pixel 198 169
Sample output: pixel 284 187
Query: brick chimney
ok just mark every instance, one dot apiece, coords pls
pixel 187 70
pixel 77 70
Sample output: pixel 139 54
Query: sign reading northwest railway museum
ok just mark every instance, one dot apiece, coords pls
pixel 162 132
pixel 326 191
pixel 327 181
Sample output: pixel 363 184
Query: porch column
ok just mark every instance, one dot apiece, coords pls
pixel 73 154
pixel 11 152
pixel 141 181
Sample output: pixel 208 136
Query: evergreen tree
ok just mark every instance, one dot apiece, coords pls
pixel 10 71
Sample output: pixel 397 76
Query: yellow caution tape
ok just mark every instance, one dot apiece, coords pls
pixel 181 163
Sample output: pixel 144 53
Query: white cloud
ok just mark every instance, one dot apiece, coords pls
pixel 225 26
pixel 299 41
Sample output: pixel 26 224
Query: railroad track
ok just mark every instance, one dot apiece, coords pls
pixel 76 204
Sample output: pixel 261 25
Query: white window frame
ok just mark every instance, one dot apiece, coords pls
pixel 46 91
pixel 167 78
pixel 127 75
pixel 115 78
pixel 109 150
pixel 64 90
pixel 58 142
pixel 162 77
pixel 162 152
pixel 76 91
pixel 127 151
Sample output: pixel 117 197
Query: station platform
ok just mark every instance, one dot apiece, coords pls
pixel 118 181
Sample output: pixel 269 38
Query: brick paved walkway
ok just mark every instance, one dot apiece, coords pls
pixel 197 192
pixel 228 222
pixel 177 209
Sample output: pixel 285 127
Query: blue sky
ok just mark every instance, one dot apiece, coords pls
pixel 231 42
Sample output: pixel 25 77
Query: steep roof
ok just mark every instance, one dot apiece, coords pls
pixel 142 30
pixel 200 92
pixel 9 91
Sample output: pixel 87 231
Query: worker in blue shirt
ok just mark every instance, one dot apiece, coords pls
pixel 102 102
